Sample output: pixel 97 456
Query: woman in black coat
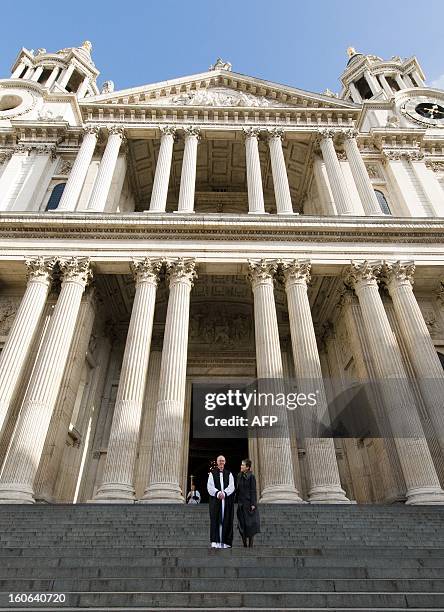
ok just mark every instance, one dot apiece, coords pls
pixel 247 512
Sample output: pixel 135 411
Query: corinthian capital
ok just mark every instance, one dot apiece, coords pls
pixel 362 272
pixel 40 268
pixel 167 130
pixel 350 133
pixel 296 271
pixel 324 133
pixel 192 131
pixel 146 270
pixel 275 133
pixel 181 270
pixel 117 130
pixel 76 269
pixel 262 271
pixel 91 129
pixel 251 132
pixel 398 273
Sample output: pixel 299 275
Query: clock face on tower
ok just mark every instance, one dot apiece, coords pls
pixel 425 110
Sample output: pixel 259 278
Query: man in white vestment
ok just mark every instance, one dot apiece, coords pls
pixel 220 487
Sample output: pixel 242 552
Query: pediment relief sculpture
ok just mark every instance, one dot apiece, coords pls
pixel 217 96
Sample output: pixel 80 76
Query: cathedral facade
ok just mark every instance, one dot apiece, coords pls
pixel 212 228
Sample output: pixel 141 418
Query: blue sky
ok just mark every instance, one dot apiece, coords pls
pixel 296 43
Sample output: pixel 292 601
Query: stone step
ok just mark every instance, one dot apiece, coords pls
pixel 221 585
pixel 47 571
pixel 244 600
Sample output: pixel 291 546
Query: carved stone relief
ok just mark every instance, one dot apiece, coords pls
pixel 8 308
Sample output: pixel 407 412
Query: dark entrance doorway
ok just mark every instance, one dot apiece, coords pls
pixel 202 451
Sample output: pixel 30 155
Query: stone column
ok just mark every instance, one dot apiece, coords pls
pixel 342 199
pixel 360 175
pixel 422 353
pixel 118 477
pixel 21 464
pixel 28 73
pixel 372 82
pixel 422 482
pixel 323 472
pixel 388 90
pixel 277 479
pixel 19 341
pixel 401 183
pixel 400 81
pixel 279 171
pixel 37 72
pixel 163 168
pixel 254 176
pixel 83 87
pixel 165 474
pixel 188 176
pixel 105 173
pixel 430 185
pixel 10 174
pixel 323 186
pixel 74 186
pixel 52 77
pixel 17 72
pixel 42 158
pixel 66 76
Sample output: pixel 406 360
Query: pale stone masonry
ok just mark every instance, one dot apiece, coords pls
pixel 233 229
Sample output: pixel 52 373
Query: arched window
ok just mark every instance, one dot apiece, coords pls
pixel 382 202
pixel 56 194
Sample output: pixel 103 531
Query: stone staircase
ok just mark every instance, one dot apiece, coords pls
pixel 156 557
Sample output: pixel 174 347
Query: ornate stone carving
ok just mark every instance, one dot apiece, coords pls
pixel 220 64
pixel 373 171
pixel 219 97
pixel 350 133
pixel 361 271
pixel 192 131
pixel 436 166
pixel 224 327
pixel 296 271
pixel 91 129
pixel 107 87
pixel 342 155
pixel 397 154
pixel 40 268
pixel 146 270
pixel 8 308
pixel 118 130
pixel 76 269
pixel 326 133
pixel 262 270
pixel 440 292
pixel 167 130
pixel 431 321
pixel 181 269
pixel 251 132
pixel 65 167
pixel 275 133
pixel 5 156
pixel 400 272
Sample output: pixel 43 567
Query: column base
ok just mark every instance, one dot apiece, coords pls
pixel 258 212
pixel 423 496
pixel 16 494
pixel 290 212
pixel 280 494
pixel 328 495
pixel 154 212
pixel 162 493
pixel 114 493
pixel 185 212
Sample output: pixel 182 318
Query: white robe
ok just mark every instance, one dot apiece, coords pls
pixel 213 492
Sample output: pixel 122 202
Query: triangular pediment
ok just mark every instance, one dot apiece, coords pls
pixel 219 88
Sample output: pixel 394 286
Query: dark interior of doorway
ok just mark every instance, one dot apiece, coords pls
pixel 204 450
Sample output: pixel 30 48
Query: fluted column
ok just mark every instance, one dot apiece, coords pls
pixel 118 478
pixel 277 479
pixel 102 184
pixel 74 186
pixel 165 473
pixel 163 168
pixel 11 174
pixel 19 69
pixel 422 353
pixel 343 202
pixel 64 78
pixel 18 343
pixel 52 77
pixel 360 175
pixel 422 482
pixel 323 472
pixel 188 176
pixel 20 467
pixel 279 171
pixel 254 176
